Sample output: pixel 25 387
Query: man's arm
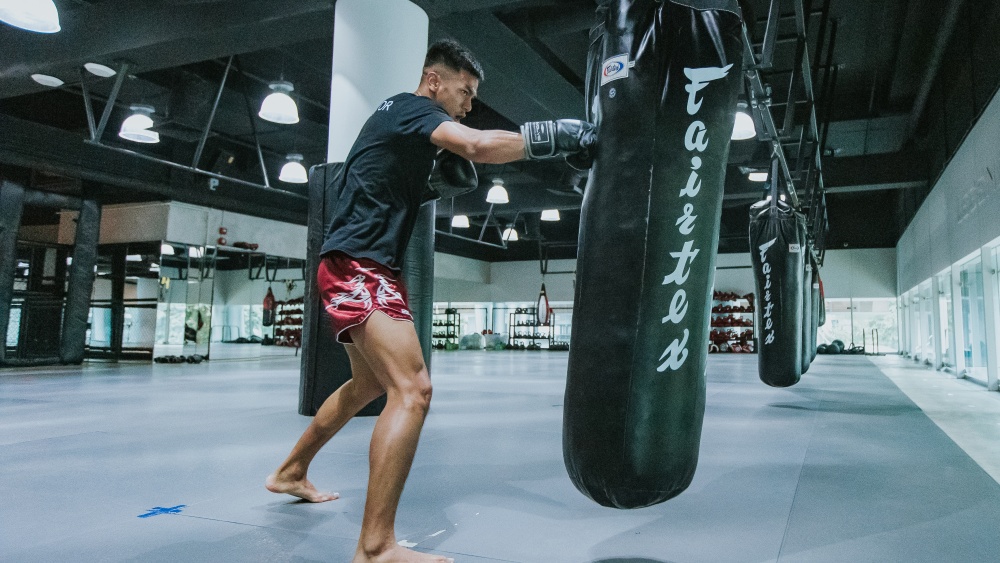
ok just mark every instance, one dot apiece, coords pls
pixel 489 147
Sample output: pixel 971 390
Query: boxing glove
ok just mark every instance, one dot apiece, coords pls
pixel 452 175
pixel 570 138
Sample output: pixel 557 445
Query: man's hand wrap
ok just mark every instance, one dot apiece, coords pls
pixel 452 175
pixel 570 138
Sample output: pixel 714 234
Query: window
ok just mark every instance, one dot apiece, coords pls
pixel 947 315
pixel 973 318
pixel 861 322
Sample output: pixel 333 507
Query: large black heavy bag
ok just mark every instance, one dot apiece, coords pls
pixel 821 320
pixel 662 88
pixel 778 255
pixel 816 306
pixel 807 321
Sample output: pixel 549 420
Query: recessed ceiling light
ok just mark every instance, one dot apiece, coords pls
pixel 46 80
pixel 100 70
pixel 757 176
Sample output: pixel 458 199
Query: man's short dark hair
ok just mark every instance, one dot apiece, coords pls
pixel 454 56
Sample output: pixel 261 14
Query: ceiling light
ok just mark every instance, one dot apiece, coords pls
pixel 743 128
pixel 497 194
pixel 166 250
pixel 757 176
pixel 100 70
pixel 550 215
pixel 46 80
pixel 32 15
pixel 279 107
pixel 510 234
pixel 133 258
pixel 293 172
pixel 136 127
pixel 460 222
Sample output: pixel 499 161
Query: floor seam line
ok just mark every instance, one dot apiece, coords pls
pixel 261 526
pixel 798 479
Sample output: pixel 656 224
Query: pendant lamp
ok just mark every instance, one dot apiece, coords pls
pixel 33 15
pixel 279 107
pixel 293 171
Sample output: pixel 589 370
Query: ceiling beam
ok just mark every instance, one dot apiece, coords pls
pixel 63 153
pixel 877 187
pixel 520 84
pixel 156 35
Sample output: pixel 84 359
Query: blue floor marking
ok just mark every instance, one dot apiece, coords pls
pixel 157 510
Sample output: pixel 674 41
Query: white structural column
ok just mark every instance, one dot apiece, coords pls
pixel 992 320
pixel 378 52
pixel 956 310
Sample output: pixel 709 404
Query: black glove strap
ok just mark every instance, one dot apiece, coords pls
pixel 539 139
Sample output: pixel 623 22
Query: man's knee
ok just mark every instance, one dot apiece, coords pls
pixel 416 392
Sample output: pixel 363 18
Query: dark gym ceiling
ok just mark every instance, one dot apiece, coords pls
pixel 903 83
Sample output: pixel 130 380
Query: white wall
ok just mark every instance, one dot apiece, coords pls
pixel 960 214
pixel 733 272
pixel 862 273
pixel 235 287
pixel 521 281
pixel 132 222
pixel 190 224
pixel 859 273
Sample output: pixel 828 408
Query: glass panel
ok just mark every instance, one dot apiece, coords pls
pixel 172 303
pixel 947 314
pixel 838 322
pixel 875 325
pixel 974 318
pixel 926 321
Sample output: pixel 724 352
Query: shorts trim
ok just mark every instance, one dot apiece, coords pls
pixel 363 321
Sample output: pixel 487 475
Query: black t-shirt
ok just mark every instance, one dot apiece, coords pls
pixel 384 180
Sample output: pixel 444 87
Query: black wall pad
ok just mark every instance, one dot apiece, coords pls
pixel 325 364
pixel 81 283
pixel 11 205
pixel 418 275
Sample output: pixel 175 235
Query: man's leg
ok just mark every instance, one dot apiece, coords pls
pixel 333 414
pixel 392 350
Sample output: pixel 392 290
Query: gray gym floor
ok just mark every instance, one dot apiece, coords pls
pixel 842 467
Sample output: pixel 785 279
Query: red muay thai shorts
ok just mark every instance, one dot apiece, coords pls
pixel 354 288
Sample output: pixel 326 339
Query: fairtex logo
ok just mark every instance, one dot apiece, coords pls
pixel 614 68
pixel 695 140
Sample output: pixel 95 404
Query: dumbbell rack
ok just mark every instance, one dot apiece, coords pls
pixel 445 330
pixel 732 327
pixel 525 333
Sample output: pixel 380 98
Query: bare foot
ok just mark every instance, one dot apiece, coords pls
pixel 302 489
pixel 399 554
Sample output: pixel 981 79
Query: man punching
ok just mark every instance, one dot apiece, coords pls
pixel 382 185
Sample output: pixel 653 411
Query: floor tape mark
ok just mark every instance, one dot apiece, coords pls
pixel 157 510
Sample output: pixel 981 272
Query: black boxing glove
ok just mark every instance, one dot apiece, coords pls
pixel 452 175
pixel 570 138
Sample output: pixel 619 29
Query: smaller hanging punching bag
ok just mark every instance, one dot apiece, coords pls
pixel 270 307
pixel 543 311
